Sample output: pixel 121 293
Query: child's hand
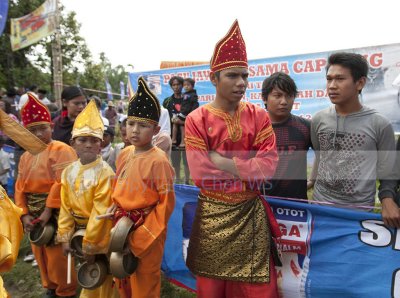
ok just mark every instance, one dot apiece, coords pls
pixel 45 216
pixel 66 248
pixel 109 212
pixel 112 208
pixel 27 222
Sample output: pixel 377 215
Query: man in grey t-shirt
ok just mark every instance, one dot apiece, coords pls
pixel 354 144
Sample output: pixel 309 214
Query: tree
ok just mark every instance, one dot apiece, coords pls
pixel 16 69
pixel 33 64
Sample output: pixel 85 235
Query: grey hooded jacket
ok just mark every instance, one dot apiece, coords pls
pixel 353 151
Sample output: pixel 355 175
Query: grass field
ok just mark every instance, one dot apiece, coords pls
pixel 24 280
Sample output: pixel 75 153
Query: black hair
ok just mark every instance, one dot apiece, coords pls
pixel 33 88
pixel 109 130
pixel 179 79
pixel 72 92
pixel 11 92
pixel 42 91
pixel 279 80
pixel 356 63
pixel 97 100
pixel 2 140
pixel 7 106
pixel 190 81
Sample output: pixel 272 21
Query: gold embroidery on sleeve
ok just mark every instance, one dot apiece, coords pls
pixel 195 142
pixel 263 135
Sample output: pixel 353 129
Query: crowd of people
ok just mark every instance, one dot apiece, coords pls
pixel 232 150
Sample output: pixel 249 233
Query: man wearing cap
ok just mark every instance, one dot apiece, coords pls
pixel 231 150
pixel 37 192
pixel 111 114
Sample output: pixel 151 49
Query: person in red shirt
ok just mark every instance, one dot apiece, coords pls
pixel 231 150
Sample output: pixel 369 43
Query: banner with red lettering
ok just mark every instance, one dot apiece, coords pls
pixel 308 71
pixel 327 252
pixel 31 28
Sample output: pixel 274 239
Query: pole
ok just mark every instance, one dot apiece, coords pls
pixel 57 59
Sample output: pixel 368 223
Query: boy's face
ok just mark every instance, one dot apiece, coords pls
pixel 140 134
pixel 231 84
pixel 107 139
pixel 42 131
pixel 279 104
pixel 87 148
pixel 176 87
pixel 124 136
pixel 187 86
pixel 340 85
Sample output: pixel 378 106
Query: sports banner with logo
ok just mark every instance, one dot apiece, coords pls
pixel 308 71
pixel 327 251
pixel 31 28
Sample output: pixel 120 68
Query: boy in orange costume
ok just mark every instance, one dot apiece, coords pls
pixel 11 231
pixel 37 192
pixel 144 191
pixel 231 151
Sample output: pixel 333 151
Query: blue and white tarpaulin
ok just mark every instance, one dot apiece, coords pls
pixel 109 90
pixel 308 71
pixel 327 251
pixel 3 14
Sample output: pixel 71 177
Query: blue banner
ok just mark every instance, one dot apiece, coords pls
pixel 3 14
pixel 109 90
pixel 308 71
pixel 327 251
pixel 122 89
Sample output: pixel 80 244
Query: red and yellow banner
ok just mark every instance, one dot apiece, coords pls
pixel 31 28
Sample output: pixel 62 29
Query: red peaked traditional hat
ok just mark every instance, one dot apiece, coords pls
pixel 34 112
pixel 230 51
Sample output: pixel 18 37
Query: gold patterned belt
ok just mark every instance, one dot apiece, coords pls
pixel 36 203
pixel 235 197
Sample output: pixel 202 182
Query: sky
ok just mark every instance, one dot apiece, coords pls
pixel 144 33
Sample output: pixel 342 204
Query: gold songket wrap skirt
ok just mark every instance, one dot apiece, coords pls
pixel 230 239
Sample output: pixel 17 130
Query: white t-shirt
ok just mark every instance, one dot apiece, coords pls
pixel 4 165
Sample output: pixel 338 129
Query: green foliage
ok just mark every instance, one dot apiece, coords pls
pixel 33 64
pixel 16 68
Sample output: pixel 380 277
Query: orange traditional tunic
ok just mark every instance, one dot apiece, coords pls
pixel 231 236
pixel 146 180
pixel 41 174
